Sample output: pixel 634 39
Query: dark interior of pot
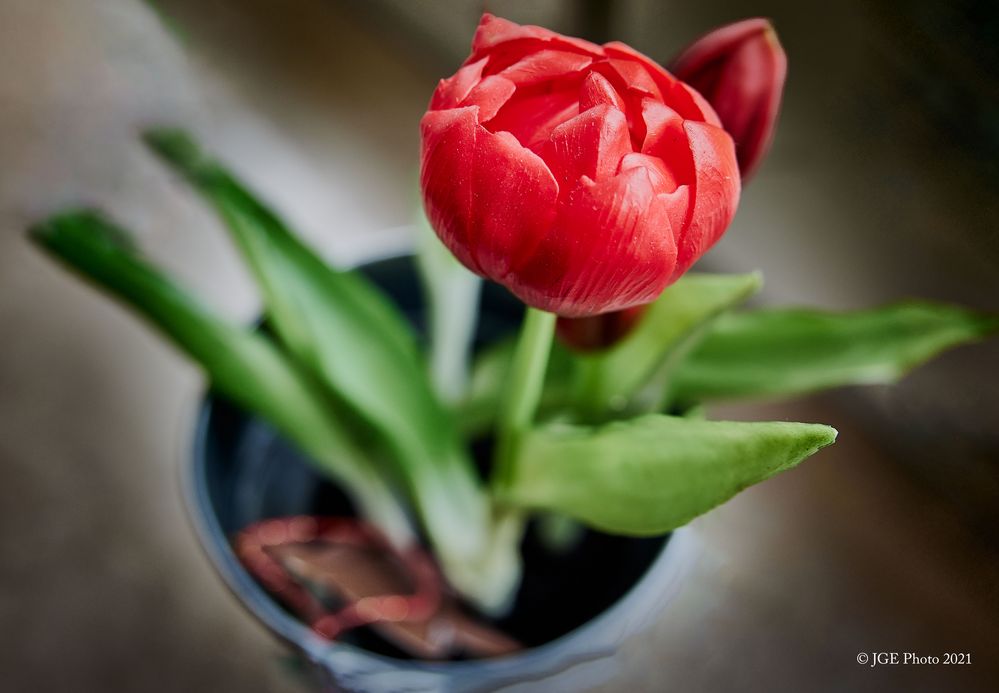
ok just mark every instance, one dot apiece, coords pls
pixel 251 474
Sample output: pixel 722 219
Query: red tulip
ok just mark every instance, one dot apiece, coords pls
pixel 740 69
pixel 584 178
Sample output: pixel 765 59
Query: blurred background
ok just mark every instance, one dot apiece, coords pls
pixel 883 183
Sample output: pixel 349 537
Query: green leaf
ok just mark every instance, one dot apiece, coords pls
pixel 343 329
pixel 644 359
pixel 654 473
pixel 791 351
pixel 243 366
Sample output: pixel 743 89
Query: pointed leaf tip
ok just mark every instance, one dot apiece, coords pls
pixel 986 323
pixel 176 147
pixel 804 440
pixel 71 226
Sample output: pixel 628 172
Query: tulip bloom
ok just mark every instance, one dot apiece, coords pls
pixel 584 178
pixel 740 69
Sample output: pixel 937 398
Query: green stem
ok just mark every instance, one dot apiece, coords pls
pixel 523 392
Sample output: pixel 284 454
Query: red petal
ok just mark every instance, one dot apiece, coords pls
pixel 591 144
pixel 597 90
pixel 747 95
pixel 490 95
pixel 662 178
pixel 544 65
pixel 687 102
pixel 739 87
pixel 532 117
pixel 715 193
pixel 446 173
pixel 616 49
pixel 624 52
pixel 692 104
pixel 636 77
pixel 453 90
pixel 485 194
pixel 611 247
pixel 666 138
pixel 676 198
pixel 515 201
pixel 678 209
pixel 495 31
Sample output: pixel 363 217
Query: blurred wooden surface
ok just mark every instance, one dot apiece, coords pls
pixel 102 587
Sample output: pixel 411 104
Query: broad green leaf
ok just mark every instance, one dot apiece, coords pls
pixel 654 473
pixel 672 324
pixel 243 366
pixel 791 351
pixel 345 331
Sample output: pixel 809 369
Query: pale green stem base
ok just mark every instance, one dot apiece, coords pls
pixel 377 503
pixel 516 415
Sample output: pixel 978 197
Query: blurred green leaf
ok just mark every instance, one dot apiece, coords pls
pixel 168 21
pixel 342 328
pixel 451 294
pixel 243 366
pixel 791 351
pixel 644 359
pixel 654 473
